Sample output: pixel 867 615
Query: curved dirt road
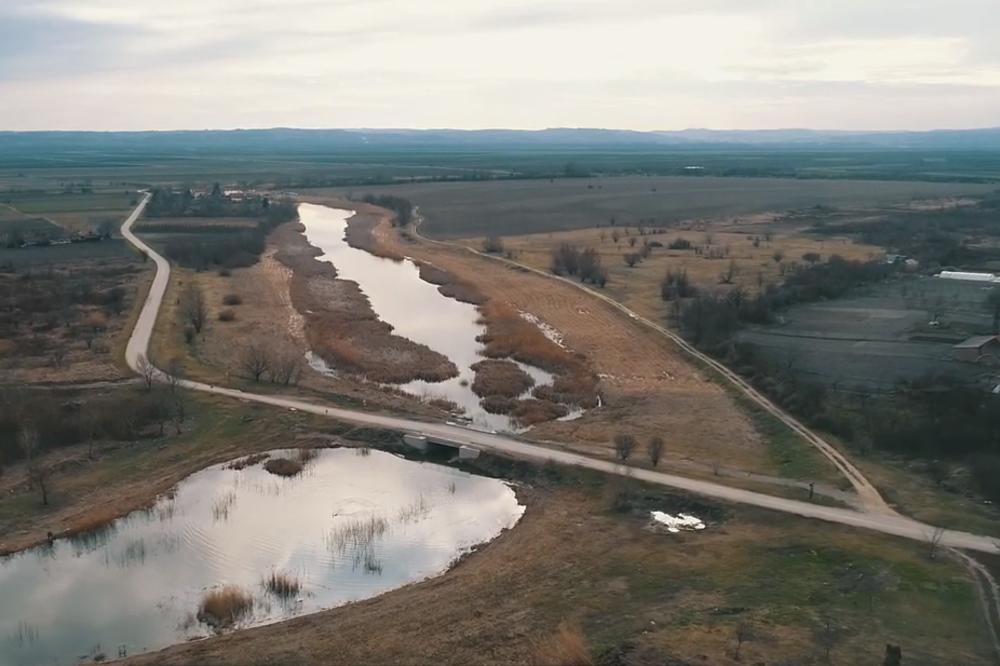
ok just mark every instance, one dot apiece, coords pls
pixel 886 523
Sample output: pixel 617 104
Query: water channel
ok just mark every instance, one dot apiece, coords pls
pixel 416 310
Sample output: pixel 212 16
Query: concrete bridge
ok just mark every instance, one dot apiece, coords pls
pixel 429 444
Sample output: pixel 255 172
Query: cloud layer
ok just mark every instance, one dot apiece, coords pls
pixel 642 64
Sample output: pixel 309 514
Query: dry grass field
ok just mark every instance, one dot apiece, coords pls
pixel 754 250
pixel 66 316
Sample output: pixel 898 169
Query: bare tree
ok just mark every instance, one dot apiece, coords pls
pixel 726 277
pixel 744 633
pixel 811 258
pixel 194 311
pixel 285 364
pixel 827 636
pixel 631 259
pixel 146 370
pixel 178 412
pixel 655 450
pixel 624 445
pixel 254 360
pixel 38 473
pixel 933 539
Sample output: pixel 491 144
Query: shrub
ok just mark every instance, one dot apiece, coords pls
pixel 283 466
pixel 680 244
pixel 567 647
pixel 227 315
pixel 493 245
pixel 225 606
pixel 624 445
pixel 676 285
pixel 232 299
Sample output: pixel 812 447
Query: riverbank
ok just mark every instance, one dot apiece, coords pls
pixel 628 586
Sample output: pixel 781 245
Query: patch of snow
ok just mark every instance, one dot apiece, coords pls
pixel 682 521
pixel 315 362
pixel 551 333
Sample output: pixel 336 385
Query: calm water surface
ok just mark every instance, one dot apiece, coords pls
pixel 415 309
pixel 352 525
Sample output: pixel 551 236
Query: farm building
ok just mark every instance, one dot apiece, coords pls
pixel 977 349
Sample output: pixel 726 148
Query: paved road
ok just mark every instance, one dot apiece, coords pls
pixel 887 523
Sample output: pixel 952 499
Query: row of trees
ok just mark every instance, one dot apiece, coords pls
pixel 626 444
pixel 228 249
pixel 400 206
pixel 710 320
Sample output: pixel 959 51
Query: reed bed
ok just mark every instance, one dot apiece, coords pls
pixel 282 585
pixel 223 607
pixel 248 461
pixel 500 378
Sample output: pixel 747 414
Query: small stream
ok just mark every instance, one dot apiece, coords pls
pixel 353 524
pixel 416 310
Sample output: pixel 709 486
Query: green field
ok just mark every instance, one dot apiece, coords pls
pixel 36 257
pixel 454 210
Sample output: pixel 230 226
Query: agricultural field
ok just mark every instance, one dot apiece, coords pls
pixel 507 208
pixel 881 335
pixel 68 210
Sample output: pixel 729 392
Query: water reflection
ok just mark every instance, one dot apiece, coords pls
pixel 351 526
pixel 416 310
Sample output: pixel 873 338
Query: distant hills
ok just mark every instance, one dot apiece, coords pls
pixel 310 140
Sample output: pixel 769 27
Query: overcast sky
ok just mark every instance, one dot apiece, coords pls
pixel 638 64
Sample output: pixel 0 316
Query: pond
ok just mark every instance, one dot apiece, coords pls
pixel 416 310
pixel 352 524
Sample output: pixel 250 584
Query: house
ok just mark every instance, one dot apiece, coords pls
pixel 978 349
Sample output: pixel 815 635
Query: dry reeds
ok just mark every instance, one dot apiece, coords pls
pixel 283 466
pixel 567 647
pixel 498 404
pixel 225 606
pixel 500 378
pixel 508 334
pixel 282 585
pixel 305 455
pixel 450 286
pixel 531 411
pixel 248 461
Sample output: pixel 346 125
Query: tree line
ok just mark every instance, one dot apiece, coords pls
pixel 236 249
